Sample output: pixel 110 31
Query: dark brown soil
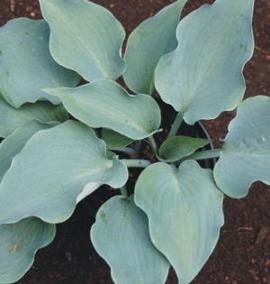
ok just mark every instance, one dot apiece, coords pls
pixel 243 252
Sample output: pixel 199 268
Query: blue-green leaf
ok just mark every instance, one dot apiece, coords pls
pixel 26 66
pixel 104 103
pixel 14 143
pixel 114 140
pixel 87 190
pixel 177 147
pixel 12 118
pixel 245 156
pixel 184 208
pixel 203 76
pixel 120 235
pixel 20 241
pixel 18 245
pixel 147 43
pixel 85 37
pixel 52 170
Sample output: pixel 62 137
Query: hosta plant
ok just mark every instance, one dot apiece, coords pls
pixel 69 127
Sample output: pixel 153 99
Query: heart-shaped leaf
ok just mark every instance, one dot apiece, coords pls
pixel 177 147
pixel 51 171
pixel 203 76
pixel 245 156
pixel 147 43
pixel 104 103
pixel 85 37
pixel 26 64
pixel 120 235
pixel 18 245
pixel 14 143
pixel 114 140
pixel 184 208
pixel 12 118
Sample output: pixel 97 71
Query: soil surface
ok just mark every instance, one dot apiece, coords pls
pixel 243 252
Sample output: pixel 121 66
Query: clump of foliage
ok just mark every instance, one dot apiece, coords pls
pixel 53 153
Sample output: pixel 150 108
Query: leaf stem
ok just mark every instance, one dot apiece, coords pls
pixel 176 124
pixel 126 150
pixel 135 163
pixel 204 155
pixel 153 144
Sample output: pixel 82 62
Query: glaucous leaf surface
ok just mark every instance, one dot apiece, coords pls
pixel 245 156
pixel 147 43
pixel 26 64
pixel 14 143
pixel 85 37
pixel 120 235
pixel 104 103
pixel 177 147
pixel 52 169
pixel 184 208
pixel 20 241
pixel 203 76
pixel 12 118
pixel 18 245
pixel 87 190
pixel 114 140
